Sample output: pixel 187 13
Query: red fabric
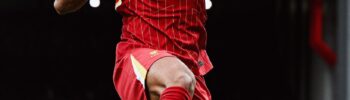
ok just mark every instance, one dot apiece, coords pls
pixel 176 26
pixel 175 93
pixel 201 91
pixel 129 88
pixel 124 77
pixel 316 36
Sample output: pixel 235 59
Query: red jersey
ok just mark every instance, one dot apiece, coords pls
pixel 176 26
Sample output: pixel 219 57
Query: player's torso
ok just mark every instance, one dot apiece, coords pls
pixel 173 25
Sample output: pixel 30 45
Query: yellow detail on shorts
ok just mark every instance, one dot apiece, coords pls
pixel 139 70
pixel 119 2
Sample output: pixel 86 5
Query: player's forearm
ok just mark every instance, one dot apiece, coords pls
pixel 68 6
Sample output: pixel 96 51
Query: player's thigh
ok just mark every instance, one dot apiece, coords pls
pixel 169 71
pixel 131 70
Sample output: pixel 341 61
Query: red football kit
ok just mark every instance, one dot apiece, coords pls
pixel 153 29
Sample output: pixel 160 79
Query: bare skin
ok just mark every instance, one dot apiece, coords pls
pixel 164 73
pixel 168 72
pixel 63 7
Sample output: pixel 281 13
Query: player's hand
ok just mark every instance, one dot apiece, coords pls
pixel 68 6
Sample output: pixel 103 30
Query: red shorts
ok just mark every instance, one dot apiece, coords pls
pixel 130 74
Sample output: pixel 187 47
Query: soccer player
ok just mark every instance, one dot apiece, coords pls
pixel 161 54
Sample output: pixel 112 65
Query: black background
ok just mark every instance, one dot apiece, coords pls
pixel 45 56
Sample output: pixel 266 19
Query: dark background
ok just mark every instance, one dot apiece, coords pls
pixel 257 47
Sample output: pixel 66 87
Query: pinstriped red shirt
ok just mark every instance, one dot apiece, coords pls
pixel 173 25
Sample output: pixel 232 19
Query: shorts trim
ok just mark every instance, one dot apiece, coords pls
pixel 139 70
